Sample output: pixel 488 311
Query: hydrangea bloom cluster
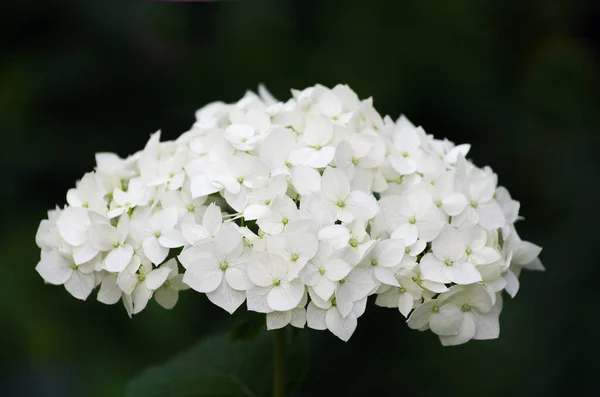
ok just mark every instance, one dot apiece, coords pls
pixel 302 209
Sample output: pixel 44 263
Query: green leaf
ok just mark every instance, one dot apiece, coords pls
pixel 219 367
pixel 248 327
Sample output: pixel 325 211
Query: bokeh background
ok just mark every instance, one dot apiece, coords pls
pixel 517 79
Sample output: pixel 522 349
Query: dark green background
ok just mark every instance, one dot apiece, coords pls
pixel 517 79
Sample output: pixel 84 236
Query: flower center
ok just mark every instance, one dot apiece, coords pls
pixel 285 221
pixel 465 308
pixel 469 251
pixel 157 234
pixel 224 265
pixel 276 283
pixel 322 271
pixel 294 257
pixel 435 309
pixel 340 203
pixel 474 204
pixel 448 262
pixel 353 242
pixel 374 262
pixel 412 220
pixel 141 277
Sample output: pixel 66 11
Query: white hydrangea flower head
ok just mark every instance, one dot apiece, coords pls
pixel 303 209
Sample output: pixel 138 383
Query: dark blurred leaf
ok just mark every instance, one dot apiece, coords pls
pixel 248 327
pixel 217 366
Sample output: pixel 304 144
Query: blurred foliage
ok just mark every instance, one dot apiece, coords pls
pixel 218 367
pixel 517 79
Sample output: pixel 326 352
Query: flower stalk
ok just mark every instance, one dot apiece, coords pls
pixel 279 363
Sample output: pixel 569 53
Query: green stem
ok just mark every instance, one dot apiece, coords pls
pixel 279 363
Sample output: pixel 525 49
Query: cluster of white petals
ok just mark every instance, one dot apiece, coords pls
pixel 302 210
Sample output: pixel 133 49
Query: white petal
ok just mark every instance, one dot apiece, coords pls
pixel 447 321
pixel 330 105
pixel 362 205
pixel 421 315
pixel 512 283
pixel 298 317
pixel 203 278
pixel 487 325
pixel 171 238
pixel 166 297
pixel 80 285
pixel 228 242
pixel 285 296
pixel 255 211
pixel 118 258
pixel 336 235
pixel 157 277
pixel 405 303
pixel 202 186
pixel 237 278
pixel 84 253
pixel 72 224
pixel 385 276
pixel 454 204
pixel 342 327
pixel 54 268
pixel 127 281
pixel 335 185
pixel 258 270
pixel 109 292
pixel 154 251
pixel 103 236
pixel 277 320
pixel 315 317
pixel 407 232
pixel 318 131
pixel 165 219
pixel 433 269
pixel 359 307
pixel 433 286
pixel 141 295
pixel 390 252
pixel 448 245
pixel 490 215
pixel 525 252
pixel 226 297
pixel 324 288
pixel 462 273
pixel 485 256
pixel 306 180
pixel 212 220
pixel 466 332
pixel 256 299
pixel 403 166
pixel 337 269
